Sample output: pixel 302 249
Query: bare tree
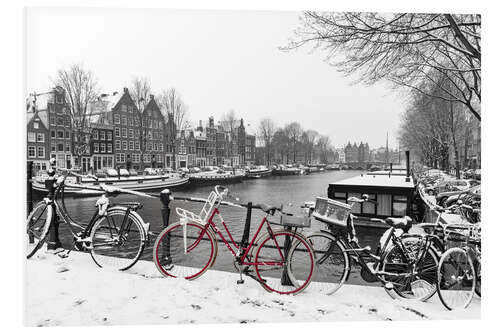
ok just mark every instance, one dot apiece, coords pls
pixel 81 89
pixel 405 49
pixel 323 145
pixel 267 128
pixel 176 111
pixel 294 132
pixel 309 139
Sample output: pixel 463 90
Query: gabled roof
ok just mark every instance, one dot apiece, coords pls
pixel 42 115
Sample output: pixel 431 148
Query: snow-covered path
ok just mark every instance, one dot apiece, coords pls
pixel 74 291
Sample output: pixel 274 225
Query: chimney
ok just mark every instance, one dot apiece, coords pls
pixel 125 90
pixel 407 153
pixel 151 97
pixel 211 121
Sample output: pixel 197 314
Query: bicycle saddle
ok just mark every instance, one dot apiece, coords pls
pixel 403 223
pixel 267 209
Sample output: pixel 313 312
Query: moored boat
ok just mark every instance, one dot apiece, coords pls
pixel 258 172
pixel 137 183
pixel 282 170
pixel 218 177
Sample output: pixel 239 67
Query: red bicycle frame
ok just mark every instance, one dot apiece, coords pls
pixel 211 224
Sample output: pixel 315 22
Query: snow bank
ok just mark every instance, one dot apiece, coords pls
pixel 74 291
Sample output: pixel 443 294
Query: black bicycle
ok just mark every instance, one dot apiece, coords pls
pixel 406 265
pixel 115 236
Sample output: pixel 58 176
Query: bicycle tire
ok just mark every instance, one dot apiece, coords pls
pixel 452 284
pixel 38 237
pixel 416 288
pixel 178 259
pixel 299 275
pixel 332 265
pixel 478 278
pixel 107 250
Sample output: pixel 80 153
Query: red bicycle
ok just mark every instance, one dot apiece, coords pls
pixel 281 260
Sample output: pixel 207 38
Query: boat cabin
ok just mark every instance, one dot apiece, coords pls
pixel 393 194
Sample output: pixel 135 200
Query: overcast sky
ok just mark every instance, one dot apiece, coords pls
pixel 218 61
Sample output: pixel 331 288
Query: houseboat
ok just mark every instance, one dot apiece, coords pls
pixel 136 183
pixel 216 177
pixel 258 172
pixel 282 170
pixel 393 193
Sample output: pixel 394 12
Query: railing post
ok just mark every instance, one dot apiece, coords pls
pixel 29 186
pixel 54 242
pixel 165 214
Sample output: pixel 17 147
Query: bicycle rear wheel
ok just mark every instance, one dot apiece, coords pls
pixel 281 271
pixel 37 227
pixel 415 281
pixel 456 279
pixel 184 250
pixel 332 264
pixel 117 241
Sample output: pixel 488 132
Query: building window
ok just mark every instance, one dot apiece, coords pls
pixel 131 133
pixel 110 135
pixel 102 135
pixel 124 120
pixel 124 132
pixel 118 145
pixel 68 148
pixel 60 147
pixel 399 204
pixel 155 146
pixel 36 125
pixel 60 134
pixel 160 146
pixel 60 121
pixel 110 147
pixel 117 132
pixel 95 135
pixel 67 135
pixel 53 134
pixel 40 137
pixel 124 108
pixel 31 152
pixel 31 137
pixel 137 146
pixel 131 145
pixel 103 147
pixel 52 147
pixel 124 145
pixel 52 120
pixel 137 134
pixel 96 147
pixel 116 118
pixel 41 152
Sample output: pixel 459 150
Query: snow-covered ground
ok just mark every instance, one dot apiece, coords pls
pixel 74 291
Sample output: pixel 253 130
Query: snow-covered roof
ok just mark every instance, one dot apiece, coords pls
pixel 106 103
pixel 377 181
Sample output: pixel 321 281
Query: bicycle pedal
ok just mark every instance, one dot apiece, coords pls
pixel 240 281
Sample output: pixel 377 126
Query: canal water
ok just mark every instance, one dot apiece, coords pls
pixel 291 191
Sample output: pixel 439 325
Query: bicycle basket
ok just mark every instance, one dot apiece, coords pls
pixel 331 211
pixel 296 221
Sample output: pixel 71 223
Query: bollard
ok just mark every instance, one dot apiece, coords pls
pixel 165 214
pixel 29 186
pixel 53 242
pixel 285 279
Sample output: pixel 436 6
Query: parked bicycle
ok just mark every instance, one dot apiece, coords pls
pixel 186 249
pixel 115 236
pixel 405 265
pixel 457 275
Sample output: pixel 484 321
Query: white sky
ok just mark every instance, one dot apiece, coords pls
pixel 218 60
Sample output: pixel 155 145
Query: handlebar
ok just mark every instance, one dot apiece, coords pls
pixel 225 191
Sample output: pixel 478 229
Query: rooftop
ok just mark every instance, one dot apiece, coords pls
pixel 377 181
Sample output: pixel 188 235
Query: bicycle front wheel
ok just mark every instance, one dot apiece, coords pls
pixel 332 263
pixel 37 227
pixel 456 279
pixel 413 277
pixel 184 250
pixel 284 262
pixel 117 240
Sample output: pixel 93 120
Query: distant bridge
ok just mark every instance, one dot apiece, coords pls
pixel 364 165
